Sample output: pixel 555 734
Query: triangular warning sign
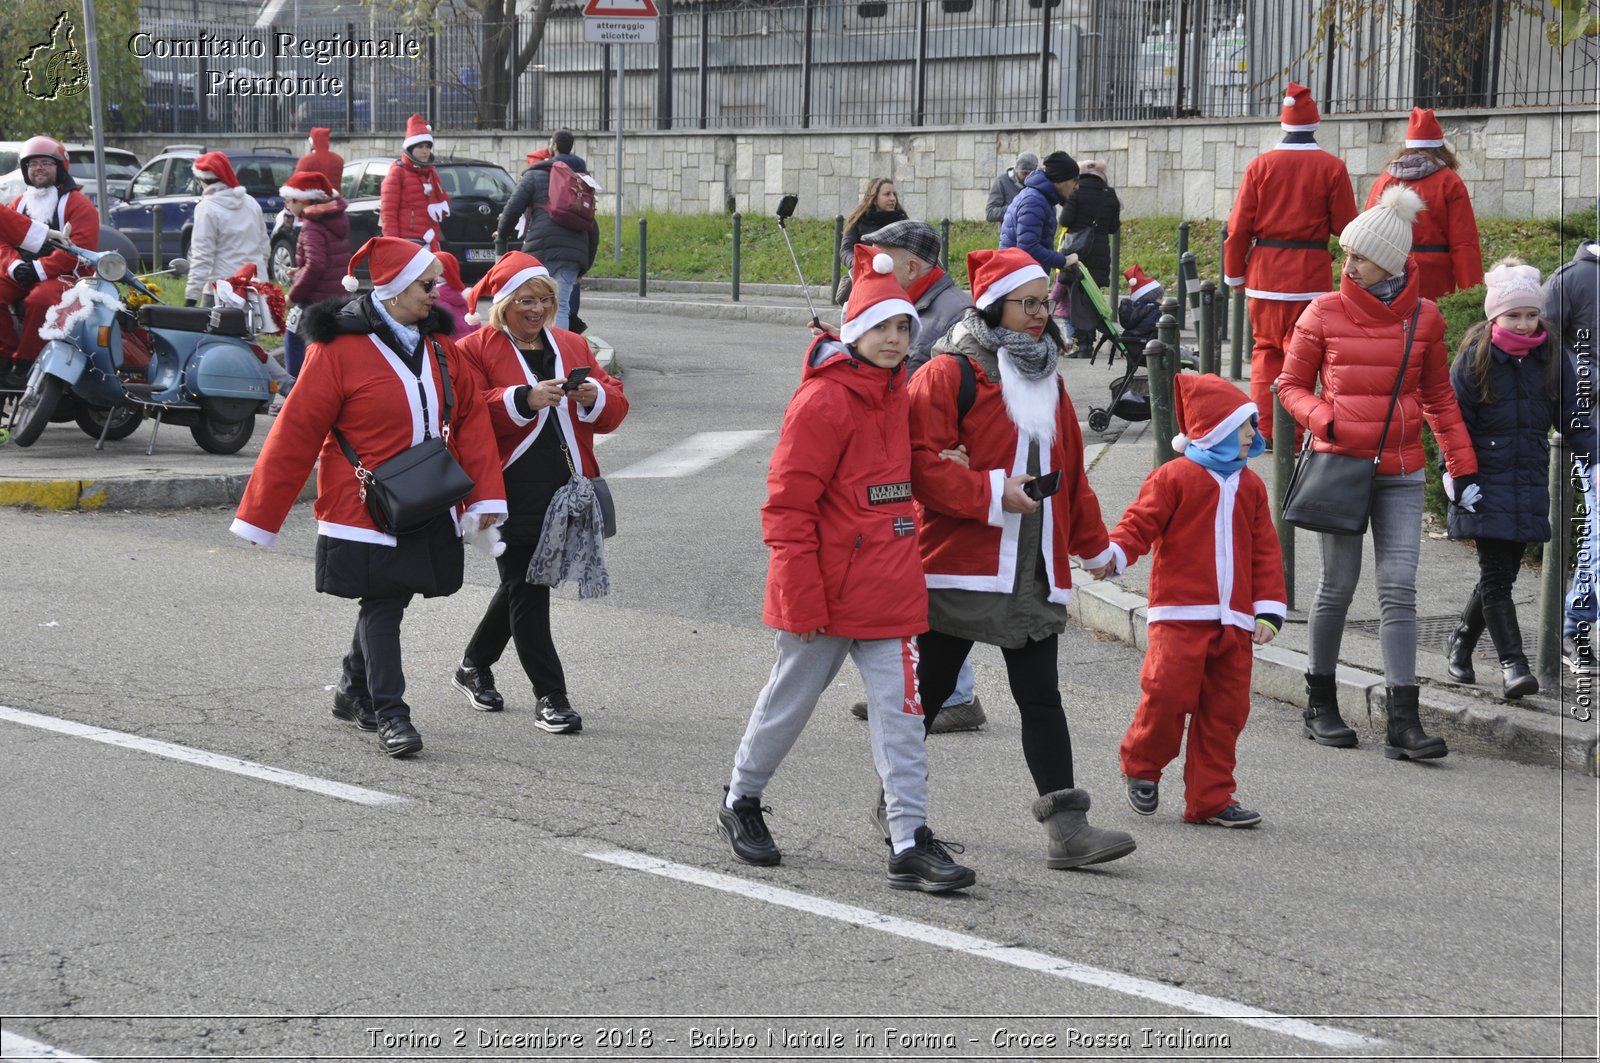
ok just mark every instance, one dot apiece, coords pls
pixel 621 9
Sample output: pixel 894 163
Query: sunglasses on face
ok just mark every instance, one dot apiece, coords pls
pixel 428 286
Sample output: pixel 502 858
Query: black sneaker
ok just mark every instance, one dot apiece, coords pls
pixel 397 737
pixel 1234 816
pixel 478 685
pixel 743 828
pixel 1578 656
pixel 554 713
pixel 968 717
pixel 859 710
pixel 1144 796
pixel 927 866
pixel 356 708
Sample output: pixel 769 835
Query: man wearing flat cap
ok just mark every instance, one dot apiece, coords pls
pixel 914 246
pixel 1008 184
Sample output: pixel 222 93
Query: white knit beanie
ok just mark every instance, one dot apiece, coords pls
pixel 1512 285
pixel 1383 234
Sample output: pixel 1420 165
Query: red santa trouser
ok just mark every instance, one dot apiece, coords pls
pixel 38 301
pixel 1272 325
pixel 1218 706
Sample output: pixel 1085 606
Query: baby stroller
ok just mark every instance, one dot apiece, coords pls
pixel 1134 327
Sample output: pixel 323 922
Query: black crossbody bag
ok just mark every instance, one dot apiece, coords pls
pixel 421 482
pixel 1333 492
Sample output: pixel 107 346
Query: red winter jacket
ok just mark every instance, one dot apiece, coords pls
pixel 1444 238
pixel 838 515
pixel 407 193
pixel 322 253
pixel 1353 343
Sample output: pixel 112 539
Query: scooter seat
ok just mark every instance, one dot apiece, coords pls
pixel 231 321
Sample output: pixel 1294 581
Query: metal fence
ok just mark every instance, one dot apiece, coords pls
pixel 893 64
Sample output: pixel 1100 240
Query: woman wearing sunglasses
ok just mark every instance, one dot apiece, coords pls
pixel 376 375
pixel 997 531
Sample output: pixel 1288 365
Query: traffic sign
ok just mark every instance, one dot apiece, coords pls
pixel 620 21
pixel 620 9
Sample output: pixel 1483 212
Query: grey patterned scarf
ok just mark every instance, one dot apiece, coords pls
pixel 1035 359
pixel 570 543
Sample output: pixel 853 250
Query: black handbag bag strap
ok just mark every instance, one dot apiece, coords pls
pixel 422 395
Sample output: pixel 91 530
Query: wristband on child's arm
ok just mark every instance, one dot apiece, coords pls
pixel 1272 620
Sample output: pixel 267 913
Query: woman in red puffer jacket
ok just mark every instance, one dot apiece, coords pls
pixel 1355 340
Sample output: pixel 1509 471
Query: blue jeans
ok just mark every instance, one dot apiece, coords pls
pixel 294 352
pixel 566 278
pixel 1581 612
pixel 964 684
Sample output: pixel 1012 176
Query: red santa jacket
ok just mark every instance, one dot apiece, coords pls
pixel 411 201
pixel 838 516
pixel 1444 238
pixel 75 209
pixel 502 370
pixel 1293 194
pixel 353 382
pixel 968 541
pixel 1353 343
pixel 1189 514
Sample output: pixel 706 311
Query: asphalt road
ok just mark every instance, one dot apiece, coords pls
pixel 511 891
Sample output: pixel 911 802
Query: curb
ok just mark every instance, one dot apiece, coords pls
pixel 769 313
pixel 1468 724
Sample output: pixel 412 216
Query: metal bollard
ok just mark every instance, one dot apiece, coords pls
pixel 1167 330
pixel 644 248
pixel 1553 571
pixel 1210 359
pixel 838 238
pixel 155 241
pixel 1283 428
pixel 944 244
pixel 1183 249
pixel 1237 339
pixel 1226 293
pixel 738 220
pixel 1160 362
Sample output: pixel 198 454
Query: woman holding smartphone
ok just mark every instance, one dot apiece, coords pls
pixel 998 529
pixel 547 397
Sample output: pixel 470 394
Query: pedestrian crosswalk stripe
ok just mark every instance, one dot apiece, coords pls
pixel 13 1046
pixel 1026 959
pixel 690 456
pixel 205 759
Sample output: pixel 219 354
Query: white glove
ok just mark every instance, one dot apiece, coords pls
pixel 1469 498
pixel 56 238
pixel 438 211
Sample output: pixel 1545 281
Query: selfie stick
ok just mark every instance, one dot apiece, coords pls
pixel 816 322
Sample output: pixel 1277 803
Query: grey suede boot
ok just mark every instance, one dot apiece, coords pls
pixel 1073 843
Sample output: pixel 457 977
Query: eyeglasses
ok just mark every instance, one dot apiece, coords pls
pixel 429 286
pixel 528 302
pixel 1031 305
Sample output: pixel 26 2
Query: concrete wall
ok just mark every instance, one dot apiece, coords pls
pixel 1517 163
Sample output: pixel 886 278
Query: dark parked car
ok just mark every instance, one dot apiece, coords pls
pixel 167 187
pixel 478 192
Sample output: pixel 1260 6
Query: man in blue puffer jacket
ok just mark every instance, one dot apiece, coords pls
pixel 1030 221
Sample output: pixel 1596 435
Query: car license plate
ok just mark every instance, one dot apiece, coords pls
pixel 480 254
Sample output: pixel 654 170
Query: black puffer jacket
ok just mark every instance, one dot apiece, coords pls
pixel 1094 206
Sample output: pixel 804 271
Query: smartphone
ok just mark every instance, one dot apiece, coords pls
pixel 786 206
pixel 1041 487
pixel 575 378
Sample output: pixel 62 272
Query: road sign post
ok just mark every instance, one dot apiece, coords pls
pixel 620 22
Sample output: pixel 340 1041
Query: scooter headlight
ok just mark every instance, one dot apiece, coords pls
pixel 111 266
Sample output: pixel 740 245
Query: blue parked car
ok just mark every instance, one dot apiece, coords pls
pixel 167 186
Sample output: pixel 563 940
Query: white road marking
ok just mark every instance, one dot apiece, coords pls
pixel 690 456
pixel 15 1047
pixel 1026 959
pixel 217 761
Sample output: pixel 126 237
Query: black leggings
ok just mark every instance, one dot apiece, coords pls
pixel 1032 672
pixel 519 612
pixel 1499 561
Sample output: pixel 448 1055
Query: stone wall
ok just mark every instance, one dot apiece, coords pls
pixel 1517 163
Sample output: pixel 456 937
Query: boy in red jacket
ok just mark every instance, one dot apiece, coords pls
pixel 845 579
pixel 1203 618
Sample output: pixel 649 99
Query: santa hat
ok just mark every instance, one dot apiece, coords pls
pixel 214 166
pixel 514 269
pixel 307 185
pixel 1300 113
pixel 418 131
pixel 1208 409
pixel 393 263
pixel 1139 285
pixel 875 295
pixel 1423 130
pixel 320 138
pixel 994 273
pixel 452 270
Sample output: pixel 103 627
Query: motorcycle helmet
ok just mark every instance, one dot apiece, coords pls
pixel 42 147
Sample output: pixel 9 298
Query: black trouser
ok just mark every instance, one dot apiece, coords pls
pixel 372 667
pixel 1499 561
pixel 1033 675
pixel 519 612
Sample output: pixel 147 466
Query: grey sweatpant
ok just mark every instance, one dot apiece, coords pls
pixel 894 714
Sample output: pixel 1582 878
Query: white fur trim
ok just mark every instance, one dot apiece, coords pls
pixel 351 533
pixel 205 175
pixel 251 533
pixel 1233 282
pixel 401 281
pixel 1031 405
pixel 1010 283
pixel 518 279
pixel 1104 557
pixel 1425 143
pixel 1229 618
pixel 883 310
pixel 1119 560
pixel 509 399
pixel 420 138
pixel 1146 289
pixel 592 413
pixel 37 231
pixel 1230 423
pixel 76 304
pixel 309 195
pixel 1287 128
pixel 1271 608
pixel 1283 297
pixel 996 517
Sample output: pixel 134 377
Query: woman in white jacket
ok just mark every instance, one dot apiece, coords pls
pixel 230 229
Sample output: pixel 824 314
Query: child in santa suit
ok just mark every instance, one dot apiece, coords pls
pixel 1203 618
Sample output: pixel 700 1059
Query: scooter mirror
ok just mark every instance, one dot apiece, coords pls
pixel 178 267
pixel 786 206
pixel 111 266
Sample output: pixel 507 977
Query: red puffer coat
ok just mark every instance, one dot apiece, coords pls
pixel 1354 343
pixel 412 202
pixel 838 515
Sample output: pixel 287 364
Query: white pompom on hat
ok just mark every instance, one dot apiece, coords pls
pixel 1207 409
pixel 393 263
pixel 512 271
pixel 1382 235
pixel 1511 285
pixel 875 295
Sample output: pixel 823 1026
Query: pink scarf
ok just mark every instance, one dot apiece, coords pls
pixel 1514 345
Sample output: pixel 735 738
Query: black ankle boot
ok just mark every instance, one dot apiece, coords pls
pixel 1464 639
pixel 1323 724
pixel 1406 740
pixel 1501 620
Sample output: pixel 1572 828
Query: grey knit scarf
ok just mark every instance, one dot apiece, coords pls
pixel 570 543
pixel 1035 359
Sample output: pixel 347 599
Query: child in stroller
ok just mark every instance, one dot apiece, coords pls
pixel 1137 314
